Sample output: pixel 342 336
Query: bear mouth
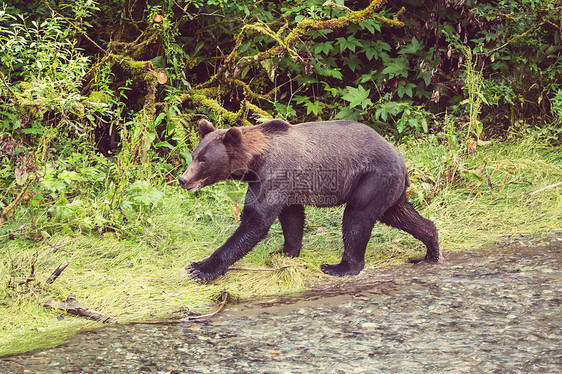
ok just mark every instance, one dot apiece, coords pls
pixel 195 187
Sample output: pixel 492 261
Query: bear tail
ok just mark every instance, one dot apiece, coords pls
pixel 406 184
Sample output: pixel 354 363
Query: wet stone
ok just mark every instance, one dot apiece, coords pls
pixel 470 314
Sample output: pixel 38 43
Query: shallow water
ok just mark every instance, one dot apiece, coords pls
pixel 493 310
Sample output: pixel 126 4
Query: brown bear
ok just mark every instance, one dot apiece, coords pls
pixel 317 163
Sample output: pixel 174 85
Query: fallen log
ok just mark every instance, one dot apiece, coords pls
pixel 74 307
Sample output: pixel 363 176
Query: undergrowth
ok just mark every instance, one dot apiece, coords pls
pixel 137 272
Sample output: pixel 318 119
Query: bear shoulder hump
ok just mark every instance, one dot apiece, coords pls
pixel 275 126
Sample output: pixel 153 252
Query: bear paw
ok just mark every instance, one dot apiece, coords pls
pixel 341 270
pixel 197 273
pixel 287 253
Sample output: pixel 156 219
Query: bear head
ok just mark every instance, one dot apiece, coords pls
pixel 222 154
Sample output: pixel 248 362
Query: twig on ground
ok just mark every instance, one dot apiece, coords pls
pixel 57 272
pixel 202 317
pixel 555 185
pixel 262 269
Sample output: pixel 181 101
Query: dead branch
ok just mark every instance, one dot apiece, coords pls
pixel 11 208
pixel 505 182
pixel 286 45
pixel 57 272
pixel 31 276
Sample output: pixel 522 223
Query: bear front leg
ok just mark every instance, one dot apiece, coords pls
pixel 292 223
pixel 357 227
pixel 253 228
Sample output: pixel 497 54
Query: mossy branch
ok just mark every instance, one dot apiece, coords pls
pixel 230 70
pixel 11 208
pixel 137 47
pixel 286 45
pixel 248 91
pixel 213 105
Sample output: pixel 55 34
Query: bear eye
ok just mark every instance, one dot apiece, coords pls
pixel 203 159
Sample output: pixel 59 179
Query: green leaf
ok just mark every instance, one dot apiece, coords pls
pixel 405 89
pixel 367 77
pixel 398 66
pixel 186 155
pixel 414 47
pixel 426 76
pixel 315 107
pixel 325 47
pixel 385 109
pixel 333 73
pixel 159 119
pixel 358 97
pixel 371 25
pixel 164 144
pixel 155 196
pixel 299 99
pixel 353 62
pixel 332 90
pixel 350 43
pixel 67 230
pixel 371 53
pixel 285 111
pixel 349 114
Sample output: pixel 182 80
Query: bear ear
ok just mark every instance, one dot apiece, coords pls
pixel 205 127
pixel 233 137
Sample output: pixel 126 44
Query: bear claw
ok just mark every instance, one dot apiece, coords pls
pixel 289 254
pixel 198 274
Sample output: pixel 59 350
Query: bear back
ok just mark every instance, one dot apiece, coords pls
pixel 275 126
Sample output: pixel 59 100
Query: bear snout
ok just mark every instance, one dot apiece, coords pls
pixel 191 186
pixel 182 182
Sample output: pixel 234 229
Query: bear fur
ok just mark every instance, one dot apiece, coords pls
pixel 317 163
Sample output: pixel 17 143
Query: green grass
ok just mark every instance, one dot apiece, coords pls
pixel 141 276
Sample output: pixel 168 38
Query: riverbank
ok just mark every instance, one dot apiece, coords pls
pixel 495 309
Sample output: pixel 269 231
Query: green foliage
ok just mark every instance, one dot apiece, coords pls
pixel 406 116
pixel 357 97
pixel 64 98
pixel 473 85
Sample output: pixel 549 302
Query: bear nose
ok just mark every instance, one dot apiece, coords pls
pixel 182 181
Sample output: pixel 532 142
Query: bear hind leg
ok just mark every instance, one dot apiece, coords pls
pixel 356 226
pixel 403 216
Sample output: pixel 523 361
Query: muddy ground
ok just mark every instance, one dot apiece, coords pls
pixel 495 310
